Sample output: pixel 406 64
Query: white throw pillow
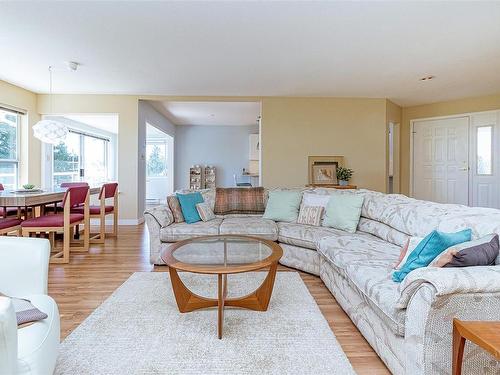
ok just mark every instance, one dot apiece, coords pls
pixel 315 200
pixel 412 244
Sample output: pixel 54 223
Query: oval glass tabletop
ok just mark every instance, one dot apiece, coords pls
pixel 221 254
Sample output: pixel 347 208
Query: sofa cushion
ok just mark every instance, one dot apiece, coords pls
pixel 182 231
pixel 383 231
pixel 373 280
pixel 360 248
pixel 304 235
pixel 367 262
pixel 251 226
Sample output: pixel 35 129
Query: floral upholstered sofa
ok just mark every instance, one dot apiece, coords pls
pixel 409 325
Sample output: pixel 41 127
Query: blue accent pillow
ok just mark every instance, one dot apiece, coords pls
pixel 428 249
pixel 188 204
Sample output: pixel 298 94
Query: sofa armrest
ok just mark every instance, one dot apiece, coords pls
pixel 161 214
pixel 429 325
pixel 8 337
pixel 450 281
pixel 157 218
pixel 24 266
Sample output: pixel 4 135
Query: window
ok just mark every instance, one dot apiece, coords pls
pixel 81 157
pixel 484 146
pixel 156 158
pixel 9 162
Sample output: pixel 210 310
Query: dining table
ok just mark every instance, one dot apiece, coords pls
pixel 37 199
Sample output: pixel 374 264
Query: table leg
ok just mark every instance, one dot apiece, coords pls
pixel 222 292
pixel 458 351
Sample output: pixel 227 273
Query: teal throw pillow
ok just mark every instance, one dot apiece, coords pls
pixel 188 204
pixel 283 205
pixel 428 249
pixel 343 211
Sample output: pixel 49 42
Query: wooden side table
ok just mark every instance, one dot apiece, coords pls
pixel 334 186
pixel 485 334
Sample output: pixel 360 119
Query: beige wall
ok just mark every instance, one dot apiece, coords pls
pixel 477 104
pixel 127 109
pixel 394 115
pixel 294 128
pixel 29 156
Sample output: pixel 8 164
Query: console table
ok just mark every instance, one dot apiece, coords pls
pixel 332 186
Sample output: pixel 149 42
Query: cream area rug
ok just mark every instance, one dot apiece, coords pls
pixel 139 330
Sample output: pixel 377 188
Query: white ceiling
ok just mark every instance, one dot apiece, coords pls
pixel 210 113
pixel 108 123
pixel 359 49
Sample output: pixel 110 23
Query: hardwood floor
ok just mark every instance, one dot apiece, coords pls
pixel 83 284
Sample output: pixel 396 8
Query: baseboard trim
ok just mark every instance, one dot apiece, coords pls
pixel 109 221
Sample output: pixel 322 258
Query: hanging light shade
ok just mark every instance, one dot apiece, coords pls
pixel 50 131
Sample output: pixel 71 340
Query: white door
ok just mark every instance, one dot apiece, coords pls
pixel 484 163
pixel 441 160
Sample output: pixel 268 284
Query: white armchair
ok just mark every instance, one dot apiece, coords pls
pixel 24 264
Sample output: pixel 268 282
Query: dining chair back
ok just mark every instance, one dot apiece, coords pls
pixel 73 184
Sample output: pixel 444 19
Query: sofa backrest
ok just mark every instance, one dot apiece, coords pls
pixel 418 218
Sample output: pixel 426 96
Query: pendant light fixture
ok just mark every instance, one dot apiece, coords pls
pixel 50 131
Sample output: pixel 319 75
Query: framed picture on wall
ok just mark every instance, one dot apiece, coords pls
pixel 323 169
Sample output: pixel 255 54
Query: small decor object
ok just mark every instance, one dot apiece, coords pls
pixel 28 186
pixel 188 204
pixel 209 177
pixel 344 175
pixel 430 247
pixel 196 177
pixel 343 212
pixel 283 205
pixel 310 215
pixel 205 211
pixel 323 169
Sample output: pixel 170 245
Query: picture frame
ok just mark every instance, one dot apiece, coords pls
pixel 323 169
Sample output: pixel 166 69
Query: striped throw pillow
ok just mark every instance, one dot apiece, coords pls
pixel 310 215
pixel 205 211
pixel 175 207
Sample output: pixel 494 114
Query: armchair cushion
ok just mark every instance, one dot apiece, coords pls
pixel 161 214
pixel 450 281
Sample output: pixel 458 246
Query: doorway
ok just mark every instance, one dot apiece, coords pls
pixel 159 165
pixel 453 159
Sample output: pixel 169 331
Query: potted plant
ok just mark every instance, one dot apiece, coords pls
pixel 344 175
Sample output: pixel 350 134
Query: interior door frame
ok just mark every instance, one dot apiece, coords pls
pixel 412 148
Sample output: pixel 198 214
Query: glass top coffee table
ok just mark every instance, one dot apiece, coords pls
pixel 222 255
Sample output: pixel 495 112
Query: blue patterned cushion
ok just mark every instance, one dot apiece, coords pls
pixel 188 206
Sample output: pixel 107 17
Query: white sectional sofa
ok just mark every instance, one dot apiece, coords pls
pixel 409 325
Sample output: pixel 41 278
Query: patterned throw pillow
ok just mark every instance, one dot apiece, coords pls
pixel 310 215
pixel 239 201
pixel 205 211
pixel 175 207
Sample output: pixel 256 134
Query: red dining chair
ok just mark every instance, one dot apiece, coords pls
pixel 58 208
pixel 7 211
pixel 65 222
pixel 99 212
pixel 8 225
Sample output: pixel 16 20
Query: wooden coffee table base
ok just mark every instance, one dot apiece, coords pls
pixel 188 301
